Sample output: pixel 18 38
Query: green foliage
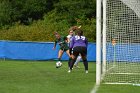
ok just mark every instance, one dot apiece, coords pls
pixel 5 12
pixel 53 16
pixel 35 32
pixel 24 11
pixel 76 9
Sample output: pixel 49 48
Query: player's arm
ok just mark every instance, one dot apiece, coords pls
pixel 86 42
pixel 54 44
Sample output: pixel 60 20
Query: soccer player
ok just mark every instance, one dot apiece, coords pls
pixel 70 36
pixel 79 45
pixel 62 41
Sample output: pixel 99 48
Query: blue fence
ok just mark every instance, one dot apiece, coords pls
pixel 124 52
pixel 37 51
pixel 44 51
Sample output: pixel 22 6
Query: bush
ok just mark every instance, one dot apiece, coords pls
pixel 65 13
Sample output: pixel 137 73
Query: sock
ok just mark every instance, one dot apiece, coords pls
pixel 69 62
pixel 59 59
pixel 77 60
pixel 72 63
pixel 85 64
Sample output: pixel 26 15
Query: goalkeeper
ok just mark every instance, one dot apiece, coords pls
pixel 79 45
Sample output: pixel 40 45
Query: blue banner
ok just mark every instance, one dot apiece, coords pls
pixel 124 52
pixel 37 51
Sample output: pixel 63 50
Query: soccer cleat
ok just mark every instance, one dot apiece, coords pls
pixel 69 71
pixel 86 71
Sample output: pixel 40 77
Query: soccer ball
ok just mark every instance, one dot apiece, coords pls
pixel 58 64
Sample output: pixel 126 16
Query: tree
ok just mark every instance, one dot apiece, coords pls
pixel 28 10
pixel 76 9
pixel 5 13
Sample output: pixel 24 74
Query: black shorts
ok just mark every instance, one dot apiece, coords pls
pixel 64 49
pixel 80 50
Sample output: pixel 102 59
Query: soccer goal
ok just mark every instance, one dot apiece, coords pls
pixel 118 42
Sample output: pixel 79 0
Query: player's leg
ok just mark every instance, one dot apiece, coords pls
pixel 74 57
pixel 77 61
pixel 85 63
pixel 60 53
pixel 84 58
pixel 68 53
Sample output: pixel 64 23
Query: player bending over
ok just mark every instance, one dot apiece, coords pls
pixel 79 45
pixel 70 36
pixel 62 41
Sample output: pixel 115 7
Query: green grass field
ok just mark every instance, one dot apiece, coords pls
pixel 43 77
pixel 118 89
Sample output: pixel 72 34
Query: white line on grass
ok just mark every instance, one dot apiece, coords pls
pixel 95 88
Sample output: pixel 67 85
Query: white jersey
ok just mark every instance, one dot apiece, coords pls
pixel 70 38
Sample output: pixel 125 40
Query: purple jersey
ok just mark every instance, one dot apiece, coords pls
pixel 78 41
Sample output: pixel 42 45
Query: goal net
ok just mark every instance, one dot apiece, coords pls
pixel 121 42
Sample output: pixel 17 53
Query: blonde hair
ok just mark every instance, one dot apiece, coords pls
pixel 74 28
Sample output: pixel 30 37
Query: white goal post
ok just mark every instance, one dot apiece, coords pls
pixel 118 41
